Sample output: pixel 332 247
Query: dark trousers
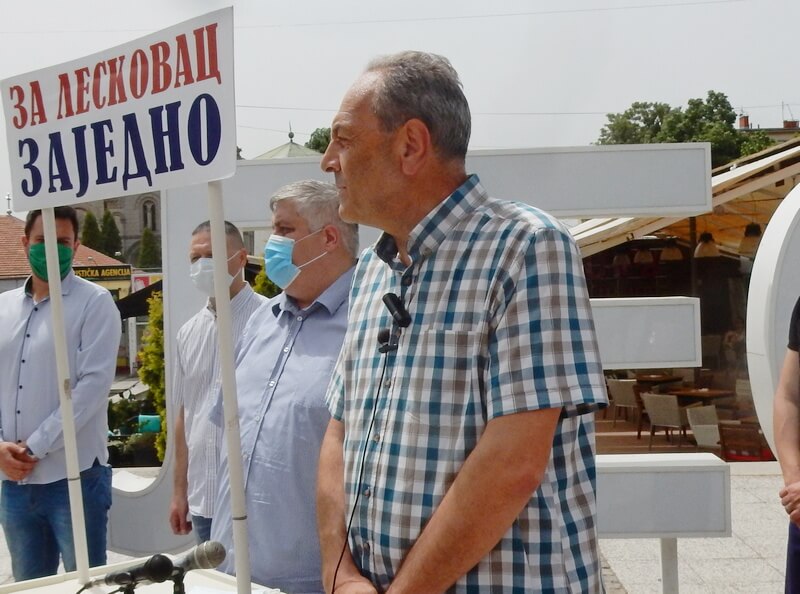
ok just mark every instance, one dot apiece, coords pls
pixel 793 561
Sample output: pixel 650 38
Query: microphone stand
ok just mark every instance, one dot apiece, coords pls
pixel 177 583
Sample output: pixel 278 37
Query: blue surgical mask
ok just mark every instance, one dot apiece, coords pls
pixel 278 259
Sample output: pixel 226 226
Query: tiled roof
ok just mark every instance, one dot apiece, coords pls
pixel 14 263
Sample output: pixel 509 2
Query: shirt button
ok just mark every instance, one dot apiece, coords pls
pixel 388 383
pixel 376 438
pixel 407 280
pixel 285 349
pixel 27 336
pixel 366 548
pixel 367 492
pixel 299 318
pixel 35 309
pixel 19 412
pixel 23 360
pixel 20 387
pixel 271 383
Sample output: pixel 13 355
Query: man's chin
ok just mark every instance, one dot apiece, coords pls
pixel 346 214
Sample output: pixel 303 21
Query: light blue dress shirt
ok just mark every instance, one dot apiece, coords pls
pixel 29 400
pixel 285 361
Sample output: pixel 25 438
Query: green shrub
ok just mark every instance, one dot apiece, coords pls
pixel 264 286
pixel 152 370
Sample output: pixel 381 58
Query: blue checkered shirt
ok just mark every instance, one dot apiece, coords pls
pixel 501 323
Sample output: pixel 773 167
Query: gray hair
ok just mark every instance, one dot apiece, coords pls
pixel 232 233
pixel 318 204
pixel 426 87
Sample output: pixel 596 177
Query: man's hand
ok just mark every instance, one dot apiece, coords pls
pixel 15 461
pixel 178 512
pixel 355 586
pixel 790 500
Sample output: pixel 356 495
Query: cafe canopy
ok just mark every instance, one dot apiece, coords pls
pixel 744 192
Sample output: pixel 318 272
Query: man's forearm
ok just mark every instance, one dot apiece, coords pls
pixel 787 439
pixel 786 418
pixel 180 480
pixel 493 486
pixel 331 510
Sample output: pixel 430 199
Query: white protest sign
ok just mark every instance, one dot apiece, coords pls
pixel 151 114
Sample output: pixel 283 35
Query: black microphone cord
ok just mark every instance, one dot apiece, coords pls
pixel 360 472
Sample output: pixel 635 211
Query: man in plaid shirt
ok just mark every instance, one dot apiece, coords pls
pixel 460 455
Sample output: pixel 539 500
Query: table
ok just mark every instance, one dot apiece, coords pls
pixel 657 378
pixel 701 394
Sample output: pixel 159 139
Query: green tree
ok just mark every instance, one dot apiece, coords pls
pixel 320 139
pixel 264 286
pixel 151 370
pixel 639 124
pixel 110 237
pixel 149 251
pixel 710 120
pixel 755 141
pixel 91 236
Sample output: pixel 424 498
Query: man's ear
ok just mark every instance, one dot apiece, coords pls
pixel 75 247
pixel 333 237
pixel 415 145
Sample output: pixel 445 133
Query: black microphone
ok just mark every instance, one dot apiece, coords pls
pixel 155 570
pixel 206 555
pixel 399 313
pixel 384 335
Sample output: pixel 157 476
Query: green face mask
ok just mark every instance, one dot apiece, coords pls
pixel 39 263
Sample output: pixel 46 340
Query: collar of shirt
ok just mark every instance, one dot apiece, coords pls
pixel 331 298
pixel 238 302
pixel 431 231
pixel 66 285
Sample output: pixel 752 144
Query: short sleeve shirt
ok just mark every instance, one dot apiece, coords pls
pixel 501 324
pixel 794 328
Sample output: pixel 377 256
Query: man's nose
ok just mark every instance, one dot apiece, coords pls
pixel 330 161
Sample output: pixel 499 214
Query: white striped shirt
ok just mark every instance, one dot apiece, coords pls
pixel 196 385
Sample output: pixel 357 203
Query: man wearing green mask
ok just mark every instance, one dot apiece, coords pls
pixel 34 502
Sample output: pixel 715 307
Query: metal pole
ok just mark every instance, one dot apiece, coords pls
pixel 230 401
pixel 692 260
pixel 669 565
pixel 65 396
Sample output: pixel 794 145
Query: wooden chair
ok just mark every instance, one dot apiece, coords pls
pixel 743 443
pixel 665 413
pixel 705 426
pixel 686 374
pixel 622 394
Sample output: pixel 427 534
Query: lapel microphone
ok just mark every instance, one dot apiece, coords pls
pixel 399 313
pixel 387 342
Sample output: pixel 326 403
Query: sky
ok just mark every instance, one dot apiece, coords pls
pixel 537 73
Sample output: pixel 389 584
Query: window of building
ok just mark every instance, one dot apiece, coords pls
pixel 149 215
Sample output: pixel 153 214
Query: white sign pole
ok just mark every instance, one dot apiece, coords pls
pixel 65 396
pixel 230 401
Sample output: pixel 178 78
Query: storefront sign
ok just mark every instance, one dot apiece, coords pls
pixel 103 273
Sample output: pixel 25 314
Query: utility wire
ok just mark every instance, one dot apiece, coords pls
pixel 411 19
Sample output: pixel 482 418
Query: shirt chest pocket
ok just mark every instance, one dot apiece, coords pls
pixel 443 379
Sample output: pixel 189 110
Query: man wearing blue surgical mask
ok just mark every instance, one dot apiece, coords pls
pixel 285 359
pixel 34 504
pixel 196 382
